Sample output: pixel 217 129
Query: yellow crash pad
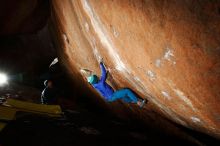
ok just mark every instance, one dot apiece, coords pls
pixel 11 106
pixel 7 113
pixel 51 110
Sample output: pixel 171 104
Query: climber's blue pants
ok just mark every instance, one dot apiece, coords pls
pixel 126 95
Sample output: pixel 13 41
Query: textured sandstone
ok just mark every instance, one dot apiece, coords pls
pixel 167 51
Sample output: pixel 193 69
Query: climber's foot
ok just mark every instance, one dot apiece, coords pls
pixel 141 103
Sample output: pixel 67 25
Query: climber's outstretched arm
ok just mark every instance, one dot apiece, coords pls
pixel 104 72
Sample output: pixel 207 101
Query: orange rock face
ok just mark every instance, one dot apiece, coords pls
pixel 166 51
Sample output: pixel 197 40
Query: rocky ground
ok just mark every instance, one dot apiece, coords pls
pixel 81 127
pixel 85 124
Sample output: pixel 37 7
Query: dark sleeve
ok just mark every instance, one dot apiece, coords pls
pixel 104 73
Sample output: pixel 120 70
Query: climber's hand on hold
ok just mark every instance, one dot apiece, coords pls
pixel 100 59
pixel 86 72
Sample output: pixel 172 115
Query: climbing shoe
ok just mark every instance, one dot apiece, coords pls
pixel 142 103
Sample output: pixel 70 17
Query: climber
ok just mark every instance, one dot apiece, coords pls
pixel 48 95
pixel 107 91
